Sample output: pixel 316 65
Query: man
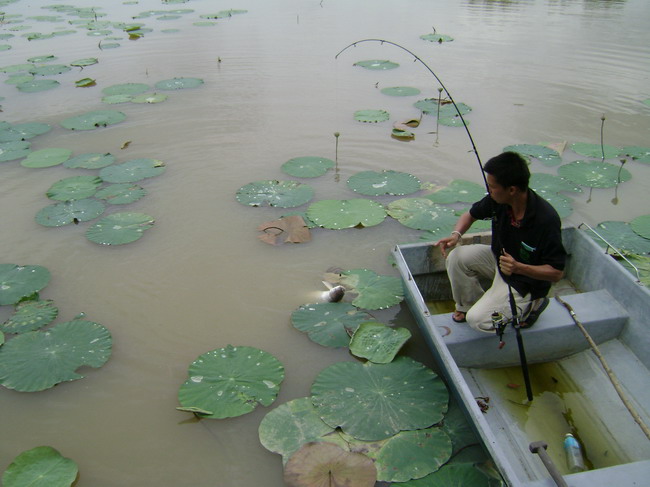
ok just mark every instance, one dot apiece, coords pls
pixel 526 250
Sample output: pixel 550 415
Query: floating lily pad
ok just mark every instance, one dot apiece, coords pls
pixel 231 381
pixel 641 226
pixel 121 194
pixel 281 194
pixel 68 212
pixel 420 213
pixel 132 171
pixel 376 401
pixel 387 182
pixel 84 62
pixel 149 98
pixel 622 236
pixel 548 156
pixel 339 214
pixel 562 204
pixel 377 342
pixel 439 38
pixel 595 150
pixel 595 174
pixel 37 85
pixel 377 64
pixel 178 83
pixel 23 131
pixel 373 291
pixel 456 475
pixel 639 154
pixel 93 120
pixel 371 116
pixel 642 264
pixel 289 426
pixel 458 190
pixel 307 166
pixel 50 69
pixel 92 160
pixel 18 282
pixel 38 360
pixel 400 91
pixel 74 188
pixel 115 99
pixel 17 79
pixel 42 466
pixel 329 324
pixel 85 83
pixel 10 151
pixel 126 89
pixel 46 157
pixel 119 228
pixel 544 184
pixel 30 315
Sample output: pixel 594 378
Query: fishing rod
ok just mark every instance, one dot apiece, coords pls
pixel 513 307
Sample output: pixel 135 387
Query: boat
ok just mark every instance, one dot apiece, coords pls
pixel 575 382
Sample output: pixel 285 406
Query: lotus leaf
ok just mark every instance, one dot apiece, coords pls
pixel 10 151
pixel 375 183
pixel 431 106
pixel 93 120
pixel 562 204
pixel 371 116
pixel 16 68
pixel 38 360
pixel 377 64
pixel 642 264
pixel 326 464
pixel 37 85
pixel 109 45
pixel 549 183
pixel 132 171
pixel 74 188
pixel 595 174
pixel 622 236
pixel 231 381
pixel 307 166
pixel 328 324
pixel 49 69
pixel 178 83
pixel 458 428
pixel 84 62
pixel 402 134
pixel 289 426
pixel 85 83
pixel 46 157
pixel 30 315
pixel 400 91
pixel 458 190
pixel 595 150
pixel 281 194
pixel 5 47
pixel 376 401
pixel 42 466
pixel 91 160
pixel 456 475
pixel 439 38
pixel 67 212
pixel 373 291
pixel 18 79
pixel 420 213
pixel 119 228
pixel 126 89
pixel 339 214
pixel 377 342
pixel 639 154
pixel 641 226
pixel 23 131
pixel 545 154
pixel 18 282
pixel 149 98
pixel 121 194
pixel 115 99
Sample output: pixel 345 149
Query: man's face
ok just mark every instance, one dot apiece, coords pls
pixel 498 193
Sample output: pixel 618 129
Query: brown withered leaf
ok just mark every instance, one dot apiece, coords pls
pixel 292 229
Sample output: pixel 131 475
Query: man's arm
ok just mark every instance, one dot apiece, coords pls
pixel 544 272
pixel 462 225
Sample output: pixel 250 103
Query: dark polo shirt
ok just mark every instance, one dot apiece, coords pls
pixel 537 241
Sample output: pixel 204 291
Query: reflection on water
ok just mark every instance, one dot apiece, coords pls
pixel 200 279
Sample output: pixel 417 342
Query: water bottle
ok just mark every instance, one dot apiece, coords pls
pixel 573 453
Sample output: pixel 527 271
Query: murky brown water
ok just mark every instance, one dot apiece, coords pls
pixel 199 280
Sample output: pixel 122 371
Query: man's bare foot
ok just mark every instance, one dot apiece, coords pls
pixel 459 316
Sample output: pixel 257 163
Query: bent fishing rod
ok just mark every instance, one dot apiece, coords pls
pixel 513 307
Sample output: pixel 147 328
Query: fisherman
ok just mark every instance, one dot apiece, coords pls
pixel 525 256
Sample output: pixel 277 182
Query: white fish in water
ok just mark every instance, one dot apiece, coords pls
pixel 334 295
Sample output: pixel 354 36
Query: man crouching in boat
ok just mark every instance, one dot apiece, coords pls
pixel 526 250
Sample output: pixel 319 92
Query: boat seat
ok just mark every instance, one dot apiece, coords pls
pixel 554 336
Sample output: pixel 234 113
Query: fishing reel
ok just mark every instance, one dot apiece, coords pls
pixel 499 323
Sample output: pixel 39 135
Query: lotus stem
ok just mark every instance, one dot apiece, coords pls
pixel 602 139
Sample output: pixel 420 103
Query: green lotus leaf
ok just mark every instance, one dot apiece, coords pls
pixel 545 154
pixel 16 68
pixel 339 214
pixel 121 194
pixel 289 426
pixel 562 204
pixel 387 182
pixel 91 160
pixel 231 381
pixel 445 226
pixel 18 282
pixel 455 475
pixel 74 188
pixel 377 342
pixel 17 79
pixel 594 174
pixel 67 212
pixel 30 315
pixel 115 99
pixel 37 85
pixel 281 194
pixel 5 47
pixel 132 171
pixel 544 184
pixel 46 157
pixel 109 45
pixel 93 120
pixel 329 324
pixel 639 154
pixel 458 429
pixel 642 264
pixel 85 83
pixel 42 466
pixel 622 236
pixel 641 226
pixel 377 64
pixel 458 190
pixel 371 116
pixel 373 291
pixel 126 89
pixel 89 61
pixel 402 134
pixel 376 401
pixel 439 38
pixel 178 83
pixel 307 166
pixel 420 213
pixel 400 91
pixel 50 69
pixel 23 131
pixel 10 151
pixel 119 228
pixel 595 150
pixel 430 106
pixel 38 360
pixel 149 98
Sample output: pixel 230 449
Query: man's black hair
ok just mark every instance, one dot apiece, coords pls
pixel 509 169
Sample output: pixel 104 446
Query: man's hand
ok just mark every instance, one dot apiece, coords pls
pixel 446 243
pixel 507 263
